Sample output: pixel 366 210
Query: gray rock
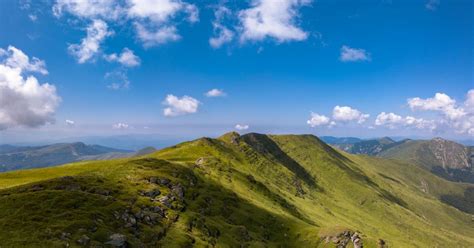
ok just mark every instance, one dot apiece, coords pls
pixel 164 181
pixel 84 240
pixel 117 240
pixel 178 190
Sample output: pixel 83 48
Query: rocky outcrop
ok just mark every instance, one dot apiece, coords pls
pixel 450 154
pixel 344 239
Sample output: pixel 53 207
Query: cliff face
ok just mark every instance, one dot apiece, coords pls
pixel 451 155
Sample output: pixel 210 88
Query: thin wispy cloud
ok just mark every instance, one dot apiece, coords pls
pixel 349 54
pixel 215 93
pixel 126 58
pixel 89 47
pixel 432 5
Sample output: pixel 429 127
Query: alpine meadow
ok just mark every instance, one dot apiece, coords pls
pixel 253 123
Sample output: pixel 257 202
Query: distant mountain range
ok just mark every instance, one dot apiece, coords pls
pixel 25 157
pixel 448 159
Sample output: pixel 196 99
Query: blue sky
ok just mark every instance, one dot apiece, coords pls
pixel 284 75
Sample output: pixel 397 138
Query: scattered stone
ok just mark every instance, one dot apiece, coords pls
pixel 200 161
pixel 381 243
pixel 178 190
pixel 65 236
pixel 152 193
pixel 356 240
pixel 84 240
pixel 37 187
pixel 159 211
pixel 164 181
pixel 165 200
pixel 117 240
pixel 153 180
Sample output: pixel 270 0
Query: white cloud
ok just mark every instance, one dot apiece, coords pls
pixel 349 54
pixel 89 9
pixel 153 19
pixel 15 58
pixel 222 34
pixel 469 103
pixel 120 125
pixel 393 121
pixel 241 127
pixel 97 31
pixel 117 80
pixel 441 103
pixel 346 113
pixel 272 19
pixel 432 5
pixel 33 17
pixel 126 58
pixel 319 120
pixel 23 100
pixel 70 123
pixel 388 119
pixel 180 106
pixel 158 36
pixel 215 93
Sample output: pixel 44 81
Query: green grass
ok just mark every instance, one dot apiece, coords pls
pixel 255 191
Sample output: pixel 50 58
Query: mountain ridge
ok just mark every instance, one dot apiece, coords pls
pixel 252 190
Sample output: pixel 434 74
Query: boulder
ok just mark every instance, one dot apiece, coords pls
pixel 84 240
pixel 117 240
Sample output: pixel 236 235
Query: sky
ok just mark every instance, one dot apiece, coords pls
pixel 75 68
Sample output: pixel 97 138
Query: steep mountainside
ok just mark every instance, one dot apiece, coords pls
pixel 13 158
pixel 249 191
pixel 369 147
pixel 445 158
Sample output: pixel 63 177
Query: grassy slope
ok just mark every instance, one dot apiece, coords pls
pixel 266 191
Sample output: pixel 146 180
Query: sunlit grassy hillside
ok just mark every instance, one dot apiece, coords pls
pixel 236 191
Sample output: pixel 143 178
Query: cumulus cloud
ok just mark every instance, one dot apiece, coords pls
pixel 393 121
pixel 70 123
pixel 469 103
pixel 441 103
pixel 222 34
pixel 215 93
pixel 15 58
pixel 272 19
pixel 432 5
pixel 180 106
pixel 126 58
pixel 156 35
pixel 89 9
pixel 120 125
pixel 155 21
pixel 241 127
pixel 97 31
pixel 152 19
pixel 346 114
pixel 23 100
pixel 349 54
pixel 318 120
